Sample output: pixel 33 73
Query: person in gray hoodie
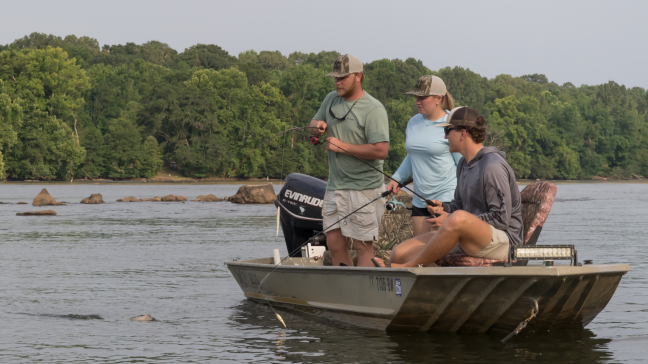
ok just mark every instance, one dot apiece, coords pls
pixel 485 217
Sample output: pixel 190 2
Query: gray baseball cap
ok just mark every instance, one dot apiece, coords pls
pixel 345 65
pixel 428 85
pixel 461 116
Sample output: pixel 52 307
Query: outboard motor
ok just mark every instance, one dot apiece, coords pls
pixel 300 203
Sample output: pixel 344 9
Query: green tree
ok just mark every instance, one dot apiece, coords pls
pixel 10 122
pixel 48 87
pixel 208 56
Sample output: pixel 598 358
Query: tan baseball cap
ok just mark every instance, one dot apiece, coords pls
pixel 345 65
pixel 428 85
pixel 461 116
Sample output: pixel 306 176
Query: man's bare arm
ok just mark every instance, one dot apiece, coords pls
pixel 364 151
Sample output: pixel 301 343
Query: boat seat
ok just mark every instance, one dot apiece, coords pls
pixel 537 199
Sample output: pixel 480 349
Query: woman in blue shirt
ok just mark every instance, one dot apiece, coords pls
pixel 428 159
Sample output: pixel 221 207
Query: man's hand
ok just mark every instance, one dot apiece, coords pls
pixel 393 186
pixel 334 145
pixel 436 222
pixel 318 127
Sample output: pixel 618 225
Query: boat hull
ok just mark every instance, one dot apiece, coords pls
pixel 442 299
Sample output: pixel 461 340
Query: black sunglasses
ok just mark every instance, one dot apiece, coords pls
pixel 345 115
pixel 447 129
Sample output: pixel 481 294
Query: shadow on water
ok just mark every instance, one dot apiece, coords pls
pixel 319 341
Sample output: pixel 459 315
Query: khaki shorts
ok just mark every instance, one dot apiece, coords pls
pixel 498 247
pixel 362 225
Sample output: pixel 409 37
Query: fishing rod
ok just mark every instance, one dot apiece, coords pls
pixel 316 141
pixel 310 240
pixel 265 142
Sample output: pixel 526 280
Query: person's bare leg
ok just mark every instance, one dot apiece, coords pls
pixel 337 244
pixel 420 226
pixel 365 252
pixel 410 248
pixel 472 233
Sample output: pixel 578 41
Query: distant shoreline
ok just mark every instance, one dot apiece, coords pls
pixel 255 181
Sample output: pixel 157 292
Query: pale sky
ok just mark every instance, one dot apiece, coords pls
pixel 582 42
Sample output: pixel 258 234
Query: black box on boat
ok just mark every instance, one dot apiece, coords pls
pixel 300 209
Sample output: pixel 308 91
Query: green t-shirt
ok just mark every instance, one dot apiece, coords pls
pixel 366 124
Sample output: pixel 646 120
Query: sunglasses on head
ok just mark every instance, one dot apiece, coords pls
pixel 345 115
pixel 448 129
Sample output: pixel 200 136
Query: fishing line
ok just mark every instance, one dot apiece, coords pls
pixel 384 194
pixel 283 151
pixel 266 141
pixel 401 185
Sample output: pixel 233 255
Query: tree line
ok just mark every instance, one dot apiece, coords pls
pixel 72 109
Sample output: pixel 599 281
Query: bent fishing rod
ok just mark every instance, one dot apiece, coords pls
pixel 315 140
pixel 265 142
pixel 312 239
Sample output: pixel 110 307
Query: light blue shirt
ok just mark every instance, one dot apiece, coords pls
pixel 428 161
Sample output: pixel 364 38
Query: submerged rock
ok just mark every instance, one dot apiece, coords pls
pixel 94 198
pixel 254 194
pixel 146 317
pixel 153 199
pixel 37 213
pixel 129 199
pixel 44 198
pixel 169 198
pixel 22 203
pixel 208 198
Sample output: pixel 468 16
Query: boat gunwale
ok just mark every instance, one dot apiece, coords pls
pixel 538 271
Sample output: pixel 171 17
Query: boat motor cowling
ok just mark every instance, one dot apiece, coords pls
pixel 300 209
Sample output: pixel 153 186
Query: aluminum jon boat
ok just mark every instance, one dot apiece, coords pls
pixel 461 294
pixel 445 299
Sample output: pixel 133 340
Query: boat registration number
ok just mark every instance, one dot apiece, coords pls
pixel 385 284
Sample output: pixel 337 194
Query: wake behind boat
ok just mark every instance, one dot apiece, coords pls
pixel 466 295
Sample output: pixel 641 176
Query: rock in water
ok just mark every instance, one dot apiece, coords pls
pixel 44 198
pixel 94 198
pixel 169 198
pixel 38 213
pixel 22 203
pixel 208 198
pixel 129 199
pixel 254 194
pixel 153 199
pixel 146 317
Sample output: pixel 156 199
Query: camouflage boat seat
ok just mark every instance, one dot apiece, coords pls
pixel 537 199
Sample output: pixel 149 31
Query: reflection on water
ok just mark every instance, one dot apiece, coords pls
pixel 71 282
pixel 319 342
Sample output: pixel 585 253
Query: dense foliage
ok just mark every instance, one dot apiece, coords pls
pixel 69 108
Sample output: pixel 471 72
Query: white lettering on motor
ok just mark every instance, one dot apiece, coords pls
pixel 310 200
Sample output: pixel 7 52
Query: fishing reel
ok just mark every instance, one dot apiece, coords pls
pixel 316 141
pixel 393 204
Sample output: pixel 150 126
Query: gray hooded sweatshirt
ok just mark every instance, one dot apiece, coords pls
pixel 486 188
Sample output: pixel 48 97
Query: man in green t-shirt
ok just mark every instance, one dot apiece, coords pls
pixel 356 124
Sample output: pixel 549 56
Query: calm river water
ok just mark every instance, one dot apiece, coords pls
pixel 69 283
